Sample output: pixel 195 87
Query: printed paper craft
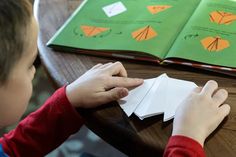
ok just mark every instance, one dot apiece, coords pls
pixel 114 9
pixel 158 8
pixel 201 34
pixel 221 17
pixel 157 96
pixel 145 33
pixel 90 31
pixel 215 43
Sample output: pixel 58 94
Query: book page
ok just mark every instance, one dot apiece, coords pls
pixel 210 35
pixel 148 26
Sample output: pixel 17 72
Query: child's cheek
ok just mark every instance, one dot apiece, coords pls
pixel 33 71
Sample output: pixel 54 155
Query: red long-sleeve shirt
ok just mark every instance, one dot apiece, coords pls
pixel 44 130
pixel 181 146
pixel 48 127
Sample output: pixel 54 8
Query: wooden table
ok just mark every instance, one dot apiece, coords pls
pixel 130 135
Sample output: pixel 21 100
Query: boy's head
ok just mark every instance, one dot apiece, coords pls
pixel 18 50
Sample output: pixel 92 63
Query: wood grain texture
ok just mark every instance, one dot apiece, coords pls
pixel 130 135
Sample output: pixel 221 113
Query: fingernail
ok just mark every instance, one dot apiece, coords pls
pixel 123 93
pixel 139 80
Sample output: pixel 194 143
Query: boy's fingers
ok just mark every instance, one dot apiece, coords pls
pixel 123 82
pixel 224 111
pixel 106 65
pixel 117 69
pixel 198 89
pixel 220 96
pixel 112 95
pixel 209 88
pixel 97 66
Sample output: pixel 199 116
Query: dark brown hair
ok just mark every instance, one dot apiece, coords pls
pixel 15 17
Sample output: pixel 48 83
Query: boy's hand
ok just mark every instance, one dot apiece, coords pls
pixel 100 85
pixel 201 113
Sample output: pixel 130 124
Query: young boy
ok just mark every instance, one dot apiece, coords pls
pixel 45 129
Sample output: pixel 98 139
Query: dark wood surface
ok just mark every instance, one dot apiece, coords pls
pixel 130 135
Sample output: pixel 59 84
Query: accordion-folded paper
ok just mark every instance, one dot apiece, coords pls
pixel 161 95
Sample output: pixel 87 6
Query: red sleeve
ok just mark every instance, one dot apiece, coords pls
pixel 181 146
pixel 44 130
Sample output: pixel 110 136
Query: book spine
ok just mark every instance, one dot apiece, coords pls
pixel 202 66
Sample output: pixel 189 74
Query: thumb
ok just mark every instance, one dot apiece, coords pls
pixel 113 94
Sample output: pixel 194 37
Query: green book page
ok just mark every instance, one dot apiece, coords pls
pixel 149 26
pixel 210 34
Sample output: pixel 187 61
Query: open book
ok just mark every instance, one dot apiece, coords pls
pixel 200 33
pixel 157 96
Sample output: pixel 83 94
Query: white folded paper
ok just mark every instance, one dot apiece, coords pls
pixel 156 96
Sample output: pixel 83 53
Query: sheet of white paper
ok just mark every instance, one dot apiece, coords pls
pixel 158 99
pixel 130 102
pixel 150 100
pixel 114 9
pixel 176 91
pixel 157 96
